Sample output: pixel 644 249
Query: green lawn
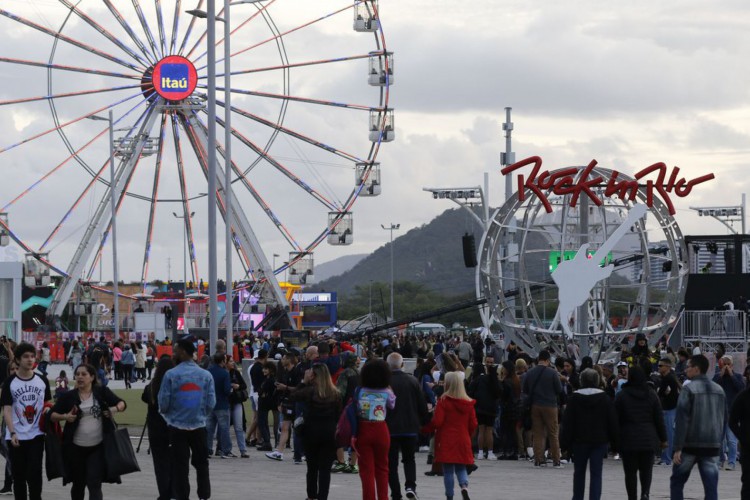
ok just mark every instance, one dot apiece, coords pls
pixel 135 415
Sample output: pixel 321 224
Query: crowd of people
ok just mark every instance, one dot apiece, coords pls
pixel 350 407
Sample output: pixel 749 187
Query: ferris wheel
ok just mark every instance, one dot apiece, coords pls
pixel 310 87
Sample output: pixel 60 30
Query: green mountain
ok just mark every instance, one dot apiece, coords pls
pixel 430 255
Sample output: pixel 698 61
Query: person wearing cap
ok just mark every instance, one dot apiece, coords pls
pixel 622 376
pixel 668 390
pixel 186 398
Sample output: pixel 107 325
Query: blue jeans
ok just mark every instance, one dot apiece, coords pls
pixel 460 471
pixel 729 446
pixel 666 454
pixel 709 471
pixel 239 432
pixel 583 454
pixel 219 418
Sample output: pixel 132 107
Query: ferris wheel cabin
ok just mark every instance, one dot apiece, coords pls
pixel 381 69
pixel 342 228
pixel 371 185
pixel 301 268
pixel 385 119
pixel 366 16
pixel 36 273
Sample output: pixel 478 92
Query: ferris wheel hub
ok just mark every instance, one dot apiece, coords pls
pixel 174 78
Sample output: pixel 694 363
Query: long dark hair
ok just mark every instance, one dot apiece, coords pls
pixel 165 364
pixel 92 371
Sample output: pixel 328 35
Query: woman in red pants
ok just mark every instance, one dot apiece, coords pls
pixel 373 440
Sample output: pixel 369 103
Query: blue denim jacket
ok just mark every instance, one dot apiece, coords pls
pixel 701 415
pixel 187 396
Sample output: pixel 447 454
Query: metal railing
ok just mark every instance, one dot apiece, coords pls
pixel 714 325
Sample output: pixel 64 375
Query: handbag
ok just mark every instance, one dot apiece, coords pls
pixel 53 457
pixel 119 456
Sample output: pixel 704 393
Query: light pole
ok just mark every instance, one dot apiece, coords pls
pixel 274 260
pixel 184 269
pixel 369 309
pixel 210 15
pixel 391 228
pixel 113 203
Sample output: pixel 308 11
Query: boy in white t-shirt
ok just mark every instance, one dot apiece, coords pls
pixel 23 397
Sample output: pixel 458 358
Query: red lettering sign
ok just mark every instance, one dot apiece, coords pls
pixel 563 182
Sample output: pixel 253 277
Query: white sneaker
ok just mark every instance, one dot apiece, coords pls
pixel 617 456
pixel 479 456
pixel 491 456
pixel 424 449
pixel 530 452
pixel 275 455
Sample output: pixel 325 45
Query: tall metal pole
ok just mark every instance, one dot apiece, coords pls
pixel 228 175
pixel 391 228
pixel 184 268
pixel 115 289
pixel 509 156
pixel 212 271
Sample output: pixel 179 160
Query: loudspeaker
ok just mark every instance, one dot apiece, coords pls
pixel 729 260
pixel 470 250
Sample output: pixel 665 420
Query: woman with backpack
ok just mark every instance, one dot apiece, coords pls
pixel 454 423
pixel 373 439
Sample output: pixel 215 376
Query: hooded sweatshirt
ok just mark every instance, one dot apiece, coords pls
pixel 454 423
pixel 589 418
pixel 640 417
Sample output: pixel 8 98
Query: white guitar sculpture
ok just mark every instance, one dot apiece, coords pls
pixel 577 277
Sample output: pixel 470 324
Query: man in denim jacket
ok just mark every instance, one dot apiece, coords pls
pixel 699 430
pixel 186 397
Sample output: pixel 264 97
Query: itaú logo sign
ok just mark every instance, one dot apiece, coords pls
pixel 174 78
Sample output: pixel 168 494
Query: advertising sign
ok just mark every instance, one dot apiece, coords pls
pixel 174 78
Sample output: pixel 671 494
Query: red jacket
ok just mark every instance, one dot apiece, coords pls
pixel 455 421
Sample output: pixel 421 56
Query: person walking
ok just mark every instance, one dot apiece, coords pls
pixel 23 398
pixel 733 384
pixel 158 431
pixel 454 422
pixel 543 387
pixel 404 421
pixel 236 409
pixel 372 443
pixel 139 349
pixel 668 390
pixel 219 417
pixel 186 397
pixel 642 431
pixel 699 429
pixel 256 380
pixel 44 359
pixel 485 389
pixel 266 403
pixel 116 358
pixel 322 408
pixel 510 395
pixel 739 423
pixel 88 415
pixel 127 362
pixel 589 426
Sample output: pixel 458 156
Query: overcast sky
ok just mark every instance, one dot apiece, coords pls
pixel 625 84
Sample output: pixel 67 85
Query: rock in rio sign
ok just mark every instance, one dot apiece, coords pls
pixel 562 182
pixel 174 78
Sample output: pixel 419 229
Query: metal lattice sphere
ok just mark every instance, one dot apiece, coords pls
pixel 525 246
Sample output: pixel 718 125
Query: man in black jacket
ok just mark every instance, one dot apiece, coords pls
pixel 404 421
pixel 668 390
pixel 739 423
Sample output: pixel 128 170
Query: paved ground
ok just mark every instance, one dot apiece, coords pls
pixel 259 477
